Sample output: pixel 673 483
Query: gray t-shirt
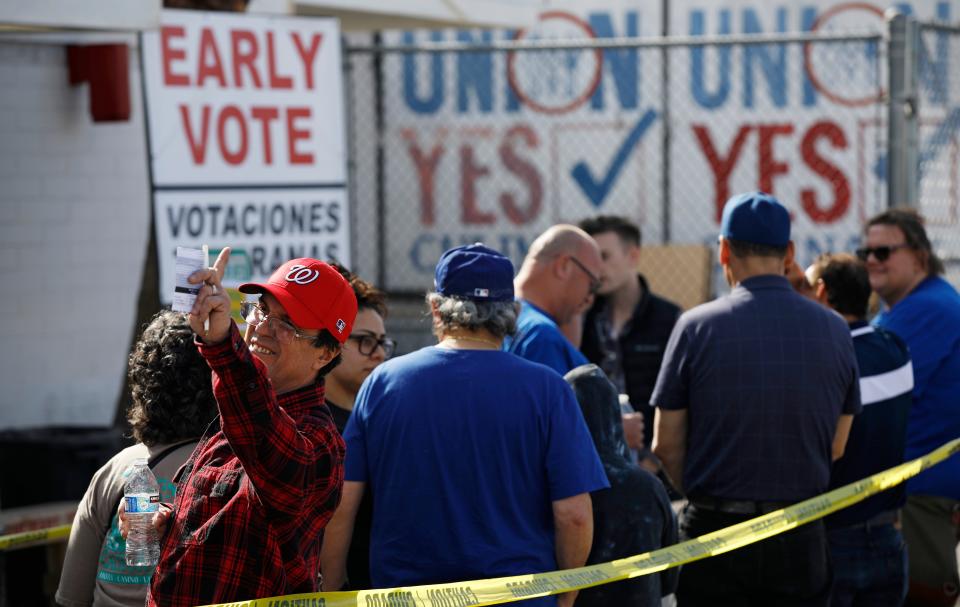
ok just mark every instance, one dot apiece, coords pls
pixel 95 570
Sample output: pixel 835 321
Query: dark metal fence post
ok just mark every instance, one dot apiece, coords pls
pixel 902 136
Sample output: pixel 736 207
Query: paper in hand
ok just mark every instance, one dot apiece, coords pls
pixel 188 261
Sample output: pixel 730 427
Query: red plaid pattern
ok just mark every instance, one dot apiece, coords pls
pixel 254 497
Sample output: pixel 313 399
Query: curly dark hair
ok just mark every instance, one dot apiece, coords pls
pixel 170 383
pixel 368 296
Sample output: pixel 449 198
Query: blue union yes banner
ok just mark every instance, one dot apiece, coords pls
pixel 496 145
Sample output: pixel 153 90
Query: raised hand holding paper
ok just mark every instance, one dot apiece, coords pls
pixel 210 315
pixel 188 261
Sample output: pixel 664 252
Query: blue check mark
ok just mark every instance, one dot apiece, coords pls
pixel 597 191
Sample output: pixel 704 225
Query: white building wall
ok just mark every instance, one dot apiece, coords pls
pixel 74 212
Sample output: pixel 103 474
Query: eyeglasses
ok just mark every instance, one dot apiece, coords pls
pixel 594 281
pixel 367 344
pixel 285 332
pixel 880 253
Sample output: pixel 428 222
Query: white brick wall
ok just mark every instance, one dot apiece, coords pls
pixel 74 212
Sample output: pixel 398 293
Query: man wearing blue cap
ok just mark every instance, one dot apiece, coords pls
pixel 479 462
pixel 754 401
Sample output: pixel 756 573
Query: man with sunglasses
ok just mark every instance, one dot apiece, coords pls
pixel 923 309
pixel 556 283
pixel 256 494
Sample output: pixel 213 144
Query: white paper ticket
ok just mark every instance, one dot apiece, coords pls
pixel 188 261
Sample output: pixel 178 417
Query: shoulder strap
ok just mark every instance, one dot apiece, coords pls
pixel 159 457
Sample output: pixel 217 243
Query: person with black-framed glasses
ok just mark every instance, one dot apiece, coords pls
pixel 372 344
pixel 365 348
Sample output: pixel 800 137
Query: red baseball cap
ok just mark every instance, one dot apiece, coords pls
pixel 314 295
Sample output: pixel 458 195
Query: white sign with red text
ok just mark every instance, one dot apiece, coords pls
pixel 247 140
pixel 238 99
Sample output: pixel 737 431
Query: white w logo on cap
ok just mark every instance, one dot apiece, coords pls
pixel 302 275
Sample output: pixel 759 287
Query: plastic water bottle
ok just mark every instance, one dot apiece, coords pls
pixel 626 407
pixel 141 493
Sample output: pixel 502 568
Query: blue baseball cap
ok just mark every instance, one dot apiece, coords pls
pixel 476 272
pixel 756 217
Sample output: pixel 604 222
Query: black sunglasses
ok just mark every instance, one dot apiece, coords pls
pixel 879 253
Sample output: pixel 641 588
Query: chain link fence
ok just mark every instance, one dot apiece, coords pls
pixel 465 136
pixel 938 140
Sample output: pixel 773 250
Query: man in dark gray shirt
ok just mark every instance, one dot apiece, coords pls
pixel 754 400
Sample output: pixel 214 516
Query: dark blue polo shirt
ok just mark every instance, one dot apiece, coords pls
pixel 764 374
pixel 879 434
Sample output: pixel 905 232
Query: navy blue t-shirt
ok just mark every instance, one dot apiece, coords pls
pixel 764 374
pixel 464 452
pixel 879 434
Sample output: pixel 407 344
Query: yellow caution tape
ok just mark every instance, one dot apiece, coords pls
pixel 495 591
pixel 31 538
